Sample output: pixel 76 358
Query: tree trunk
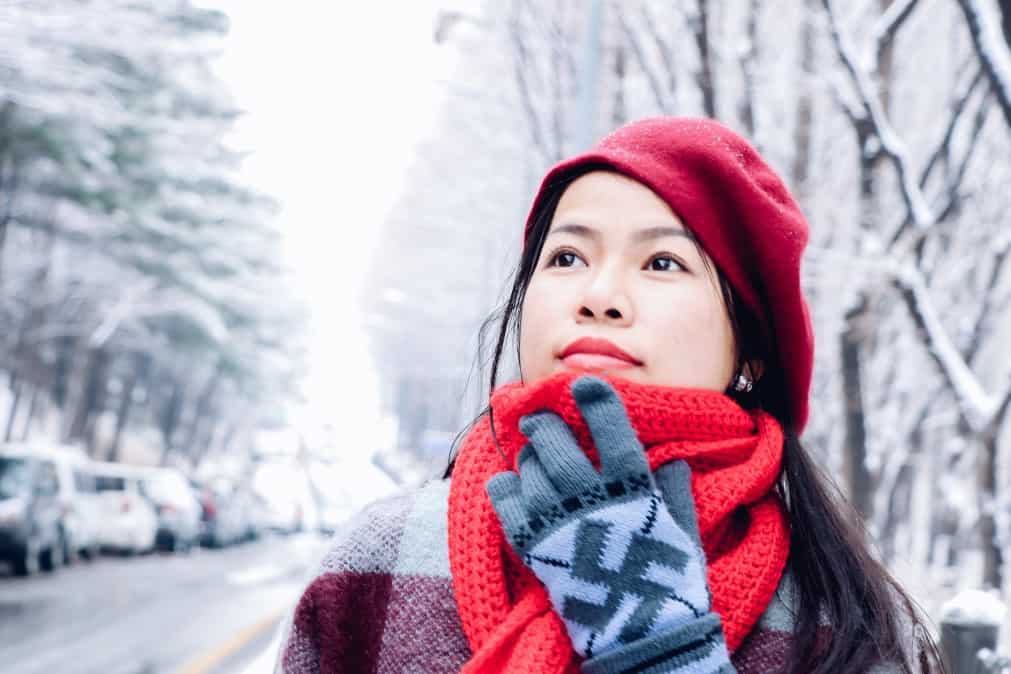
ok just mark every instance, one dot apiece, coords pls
pixel 202 410
pixel 91 398
pixel 65 348
pixel 990 538
pixel 805 107
pixel 858 319
pixel 228 435
pixel 8 178
pixel 618 114
pixel 749 62
pixel 14 385
pixel 98 392
pixel 858 478
pixel 138 373
pixel 33 409
pixel 898 509
pixel 168 419
pixel 704 77
pixel 203 448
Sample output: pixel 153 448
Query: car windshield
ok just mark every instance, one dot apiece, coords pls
pixel 14 477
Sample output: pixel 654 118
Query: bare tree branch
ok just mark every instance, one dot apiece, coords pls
pixel 704 77
pixel 976 405
pixel 855 116
pixel 1005 404
pixel 993 51
pixel 952 189
pixel 986 306
pixel 558 106
pixel 521 63
pixel 891 144
pixel 950 195
pixel 891 21
pixel 957 108
pixel 640 56
pixel 664 49
pixel 748 59
pixel 805 105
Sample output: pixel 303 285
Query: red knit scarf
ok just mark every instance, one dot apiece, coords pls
pixel 735 459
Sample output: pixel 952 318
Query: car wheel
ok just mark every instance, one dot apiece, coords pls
pixel 52 558
pixel 91 552
pixel 28 563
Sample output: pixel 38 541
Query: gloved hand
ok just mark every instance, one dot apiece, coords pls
pixel 618 551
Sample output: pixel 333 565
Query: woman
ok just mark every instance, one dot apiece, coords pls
pixel 639 501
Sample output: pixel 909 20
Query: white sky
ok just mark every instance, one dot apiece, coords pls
pixel 338 95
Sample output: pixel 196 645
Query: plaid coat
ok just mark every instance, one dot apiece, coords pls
pixel 382 602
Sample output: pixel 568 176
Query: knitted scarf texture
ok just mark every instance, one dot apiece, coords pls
pixel 735 458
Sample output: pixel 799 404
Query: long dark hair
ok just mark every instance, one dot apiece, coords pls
pixel 838 579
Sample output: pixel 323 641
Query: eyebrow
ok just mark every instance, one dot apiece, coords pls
pixel 638 236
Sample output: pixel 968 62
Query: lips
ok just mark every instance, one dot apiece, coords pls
pixel 591 353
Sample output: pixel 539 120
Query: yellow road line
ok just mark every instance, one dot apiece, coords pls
pixel 207 662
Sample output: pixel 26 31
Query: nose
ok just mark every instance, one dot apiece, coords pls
pixel 605 299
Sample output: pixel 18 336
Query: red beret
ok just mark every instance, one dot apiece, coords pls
pixel 739 210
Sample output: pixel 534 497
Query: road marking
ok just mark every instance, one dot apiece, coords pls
pixel 255 575
pixel 209 661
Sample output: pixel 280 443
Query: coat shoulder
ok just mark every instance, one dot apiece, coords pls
pixel 405 533
pixel 382 599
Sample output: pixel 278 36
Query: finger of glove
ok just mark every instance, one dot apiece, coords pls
pixel 559 453
pixel 507 500
pixel 674 480
pixel 539 494
pixel 621 453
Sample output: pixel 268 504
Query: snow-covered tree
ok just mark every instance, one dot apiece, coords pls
pixel 134 264
pixel 888 119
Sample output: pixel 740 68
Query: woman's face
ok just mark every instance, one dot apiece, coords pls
pixel 619 268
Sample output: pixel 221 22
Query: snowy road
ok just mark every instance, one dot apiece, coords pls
pixel 210 612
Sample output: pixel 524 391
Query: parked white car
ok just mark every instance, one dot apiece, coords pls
pixel 80 510
pixel 176 505
pixel 129 521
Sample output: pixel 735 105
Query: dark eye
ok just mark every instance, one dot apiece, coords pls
pixel 564 258
pixel 663 262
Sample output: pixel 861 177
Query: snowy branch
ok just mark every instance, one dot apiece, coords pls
pixel 663 48
pixel 521 67
pixel 952 189
pixel 977 406
pixel 852 114
pixel 654 84
pixel 950 195
pixel 891 144
pixel 986 307
pixel 993 51
pixel 957 108
pixel 890 22
pixel 1005 404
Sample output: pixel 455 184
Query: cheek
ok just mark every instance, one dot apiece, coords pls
pixel 538 317
pixel 692 342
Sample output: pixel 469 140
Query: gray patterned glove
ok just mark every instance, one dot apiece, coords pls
pixel 626 574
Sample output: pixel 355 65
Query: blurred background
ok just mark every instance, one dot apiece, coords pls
pixel 246 252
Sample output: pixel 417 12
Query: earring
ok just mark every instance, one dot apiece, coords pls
pixel 744 384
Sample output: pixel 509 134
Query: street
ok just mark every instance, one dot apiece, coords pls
pixel 207 612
